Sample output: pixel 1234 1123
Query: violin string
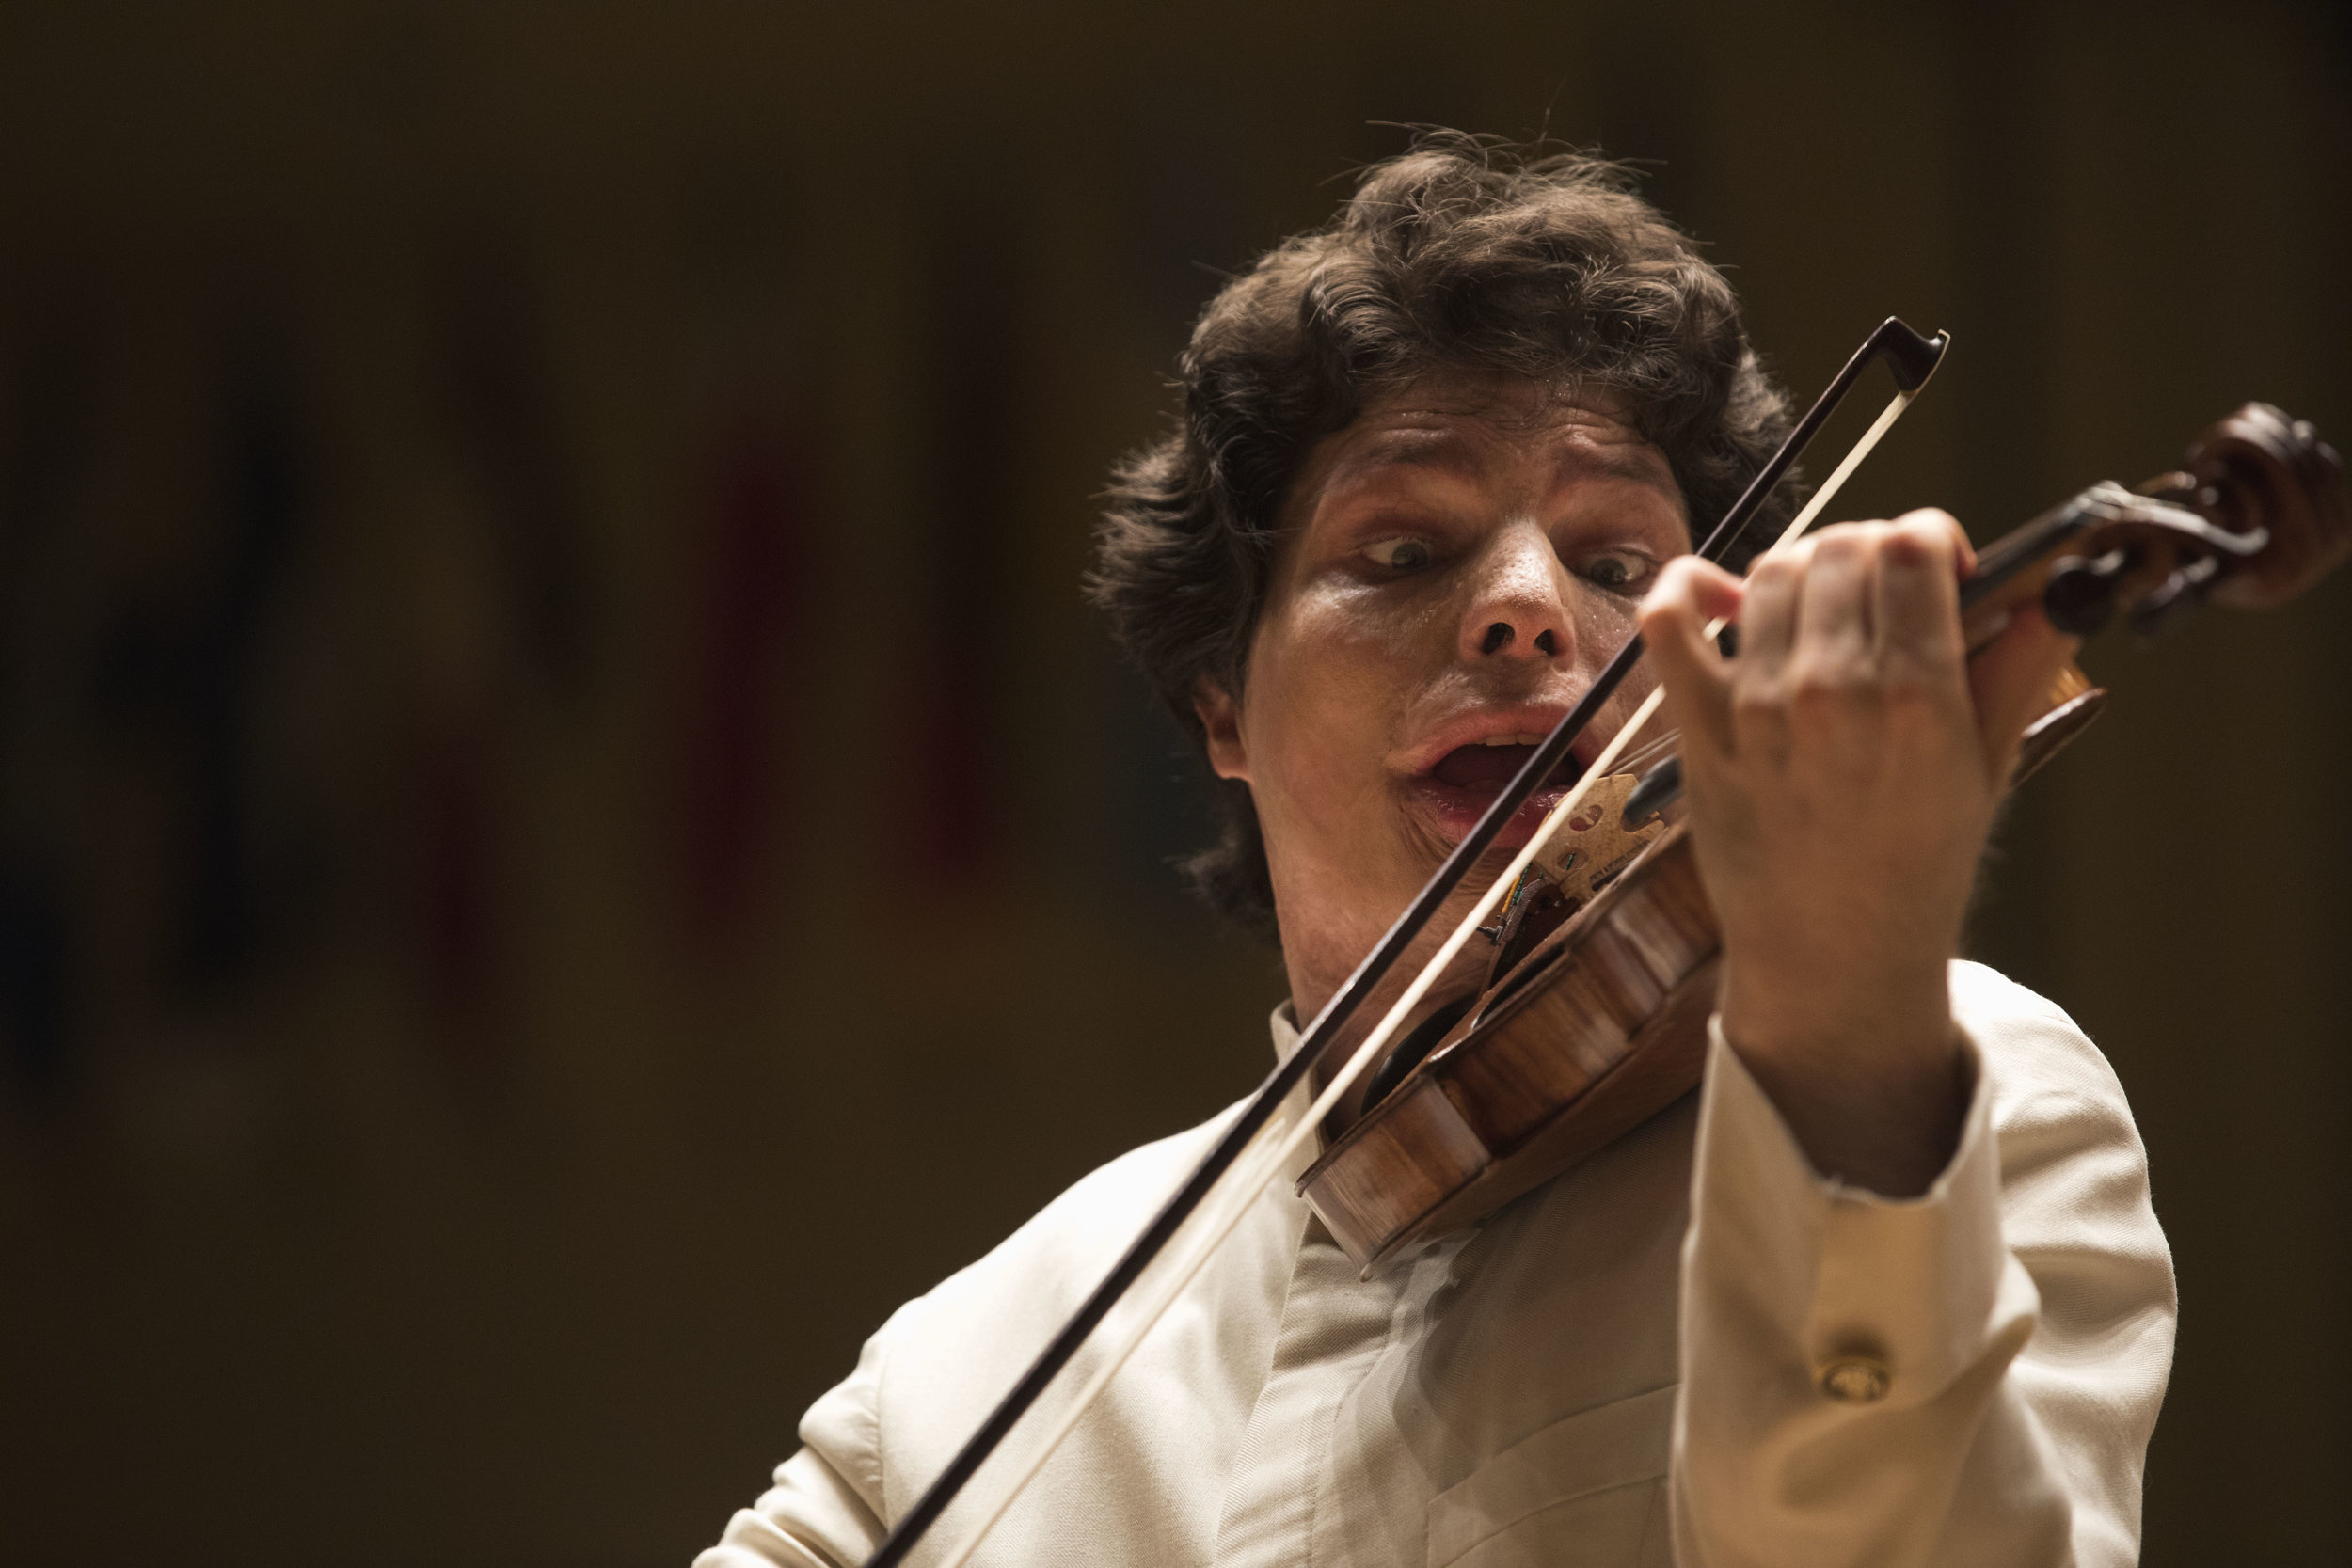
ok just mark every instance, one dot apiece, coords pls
pixel 1641 758
pixel 1280 1138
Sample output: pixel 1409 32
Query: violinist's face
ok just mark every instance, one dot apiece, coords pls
pixel 1457 567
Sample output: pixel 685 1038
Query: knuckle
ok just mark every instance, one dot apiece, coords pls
pixel 1819 690
pixel 1927 535
pixel 1847 542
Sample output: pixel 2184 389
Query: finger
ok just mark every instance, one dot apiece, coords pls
pixel 1944 524
pixel 1700 584
pixel 1768 613
pixel 1918 601
pixel 2010 679
pixel 1759 676
pixel 1833 606
pixel 1690 593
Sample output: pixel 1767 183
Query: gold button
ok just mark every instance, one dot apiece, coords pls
pixel 1856 1379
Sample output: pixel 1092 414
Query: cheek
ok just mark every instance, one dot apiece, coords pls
pixel 1619 710
pixel 1326 683
pixel 1605 621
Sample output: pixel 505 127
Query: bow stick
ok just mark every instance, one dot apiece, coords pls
pixel 1911 360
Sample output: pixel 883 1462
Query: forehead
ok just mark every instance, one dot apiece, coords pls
pixel 1484 429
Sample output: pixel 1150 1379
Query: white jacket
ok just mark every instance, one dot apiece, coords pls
pixel 1630 1364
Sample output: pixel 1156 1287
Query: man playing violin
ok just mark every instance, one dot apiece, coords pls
pixel 1887 1289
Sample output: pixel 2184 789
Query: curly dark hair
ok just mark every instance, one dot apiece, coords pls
pixel 1461 253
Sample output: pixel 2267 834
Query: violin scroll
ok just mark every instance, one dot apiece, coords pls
pixel 2260 514
pixel 2261 469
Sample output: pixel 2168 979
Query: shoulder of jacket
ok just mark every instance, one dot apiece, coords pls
pixel 1062 1249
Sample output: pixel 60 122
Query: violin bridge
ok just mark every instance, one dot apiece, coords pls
pixel 1594 844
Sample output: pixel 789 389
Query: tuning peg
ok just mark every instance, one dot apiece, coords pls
pixel 2179 593
pixel 1654 794
pixel 2079 598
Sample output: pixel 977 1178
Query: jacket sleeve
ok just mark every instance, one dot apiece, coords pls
pixel 825 1508
pixel 1969 1376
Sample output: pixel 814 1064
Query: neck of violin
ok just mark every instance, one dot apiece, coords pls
pixel 2016 570
pixel 2011 573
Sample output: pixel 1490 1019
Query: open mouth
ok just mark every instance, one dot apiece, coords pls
pixel 1487 765
pixel 1462 783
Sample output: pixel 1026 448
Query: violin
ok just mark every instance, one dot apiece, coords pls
pixel 1592 1014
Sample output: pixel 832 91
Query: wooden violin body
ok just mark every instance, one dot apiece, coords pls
pixel 1597 1029
pixel 1593 1014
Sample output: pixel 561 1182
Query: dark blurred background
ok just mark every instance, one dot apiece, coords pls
pixel 567 842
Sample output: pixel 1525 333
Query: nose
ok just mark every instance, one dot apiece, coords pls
pixel 1517 607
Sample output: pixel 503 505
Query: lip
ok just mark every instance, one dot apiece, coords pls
pixel 1475 726
pixel 1452 811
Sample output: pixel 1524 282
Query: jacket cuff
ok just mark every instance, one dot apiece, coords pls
pixel 1867 1299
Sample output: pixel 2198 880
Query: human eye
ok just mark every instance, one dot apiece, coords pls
pixel 1399 554
pixel 1620 571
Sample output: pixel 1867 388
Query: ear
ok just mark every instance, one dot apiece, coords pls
pixel 1220 721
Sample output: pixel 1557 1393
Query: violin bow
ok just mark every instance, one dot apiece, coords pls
pixel 1911 360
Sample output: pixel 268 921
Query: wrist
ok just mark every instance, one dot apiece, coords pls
pixel 1830 1015
pixel 1871 1077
